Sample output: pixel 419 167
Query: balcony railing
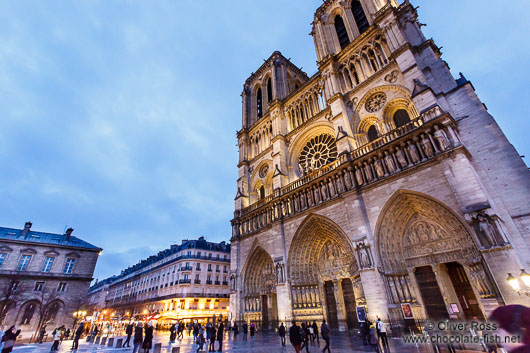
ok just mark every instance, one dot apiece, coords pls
pixel 208 282
pixel 217 283
pixel 225 283
pixel 197 281
pixel 185 281
pixel 406 147
pixel 186 269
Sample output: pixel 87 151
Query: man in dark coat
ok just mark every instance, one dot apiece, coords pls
pixel 128 332
pixel 172 333
pixel 244 328
pixel 138 338
pixel 220 331
pixel 42 333
pixel 148 338
pixel 281 333
pixel 324 331
pixel 9 338
pixel 213 337
pixel 77 336
pixel 295 337
pixel 315 333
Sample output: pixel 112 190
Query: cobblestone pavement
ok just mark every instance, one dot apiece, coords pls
pixel 266 343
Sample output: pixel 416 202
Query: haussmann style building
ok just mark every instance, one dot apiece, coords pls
pixel 381 184
pixel 44 278
pixel 187 282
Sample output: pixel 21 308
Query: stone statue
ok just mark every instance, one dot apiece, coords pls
pixel 364 256
pixel 427 147
pixel 413 152
pixel 441 137
pixel 401 158
pixel 359 176
pixel 368 172
pixel 488 235
pixel 389 161
pixel 379 168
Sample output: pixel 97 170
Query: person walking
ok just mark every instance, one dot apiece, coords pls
pixel 220 332
pixel 295 337
pixel 252 331
pixel 148 338
pixel 305 337
pixel 315 333
pixel 128 332
pixel 245 331
pixel 195 332
pixel 57 333
pixel 381 332
pixel 374 341
pixel 324 331
pixel 235 328
pixel 281 333
pixel 213 337
pixel 201 338
pixel 138 338
pixel 172 333
pixel 42 333
pixel 77 336
pixel 9 338
pixel 180 331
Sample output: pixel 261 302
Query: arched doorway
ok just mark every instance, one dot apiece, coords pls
pixel 321 265
pixel 427 251
pixel 259 293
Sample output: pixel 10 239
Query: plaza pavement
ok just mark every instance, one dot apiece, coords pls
pixel 264 343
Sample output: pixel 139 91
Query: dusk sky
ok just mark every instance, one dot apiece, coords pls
pixel 119 118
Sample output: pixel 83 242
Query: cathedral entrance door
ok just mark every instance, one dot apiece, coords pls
pixel 349 303
pixel 264 312
pixel 430 292
pixel 331 304
pixel 464 291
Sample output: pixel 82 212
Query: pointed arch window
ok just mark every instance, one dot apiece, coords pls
pixel 360 16
pixel 344 40
pixel 269 90
pixel 261 192
pixel 372 133
pixel 401 117
pixel 259 104
pixel 28 314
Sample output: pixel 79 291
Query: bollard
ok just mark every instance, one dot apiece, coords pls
pixel 158 348
pixel 119 342
pixel 175 350
pixel 111 342
pixel 97 340
pixel 103 340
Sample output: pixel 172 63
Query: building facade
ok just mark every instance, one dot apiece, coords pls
pixel 381 184
pixel 44 278
pixel 185 282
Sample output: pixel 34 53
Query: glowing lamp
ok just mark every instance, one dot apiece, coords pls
pixel 525 277
pixel 514 283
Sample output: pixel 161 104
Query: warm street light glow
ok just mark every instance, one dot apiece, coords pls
pixel 525 277
pixel 514 283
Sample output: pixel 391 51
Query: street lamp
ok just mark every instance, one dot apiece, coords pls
pixel 514 282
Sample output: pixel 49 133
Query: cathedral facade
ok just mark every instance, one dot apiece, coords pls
pixel 380 186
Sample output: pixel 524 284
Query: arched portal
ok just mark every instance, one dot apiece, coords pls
pixel 422 241
pixel 259 292
pixel 321 257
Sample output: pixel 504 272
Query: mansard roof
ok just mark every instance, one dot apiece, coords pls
pixel 17 235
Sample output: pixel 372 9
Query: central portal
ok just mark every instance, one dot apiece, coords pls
pixel 331 305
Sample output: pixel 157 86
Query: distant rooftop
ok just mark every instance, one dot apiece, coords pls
pixel 27 235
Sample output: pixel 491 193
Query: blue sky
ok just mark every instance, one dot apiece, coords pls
pixel 118 118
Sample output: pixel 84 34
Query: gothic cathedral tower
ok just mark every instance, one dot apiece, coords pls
pixel 380 185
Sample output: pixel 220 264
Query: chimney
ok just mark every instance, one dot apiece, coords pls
pixel 69 233
pixel 26 229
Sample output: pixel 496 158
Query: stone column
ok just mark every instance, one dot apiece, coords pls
pixel 374 291
pixel 341 307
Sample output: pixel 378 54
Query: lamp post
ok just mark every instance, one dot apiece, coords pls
pixel 516 285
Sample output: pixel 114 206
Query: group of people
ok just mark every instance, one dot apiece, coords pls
pixel 142 339
pixel 301 337
pixel 375 335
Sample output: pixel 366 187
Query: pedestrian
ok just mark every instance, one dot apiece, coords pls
pixel 305 337
pixel 324 331
pixel 245 331
pixel 281 332
pixel 138 337
pixel 63 333
pixel 128 332
pixel 213 337
pixel 9 338
pixel 42 333
pixel 364 332
pixel 295 337
pixel 77 336
pixel 56 339
pixel 220 332
pixel 67 334
pixel 195 332
pixel 381 332
pixel 180 331
pixel 315 333
pixel 148 338
pixel 201 338
pixel 235 328
pixel 172 333
pixel 374 341
pixel 311 333
pixel 252 331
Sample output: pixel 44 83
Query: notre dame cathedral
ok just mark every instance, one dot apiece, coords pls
pixel 380 186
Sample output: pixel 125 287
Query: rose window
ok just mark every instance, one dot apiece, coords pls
pixel 263 171
pixel 318 152
pixel 376 102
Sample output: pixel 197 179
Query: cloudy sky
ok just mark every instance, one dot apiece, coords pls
pixel 118 117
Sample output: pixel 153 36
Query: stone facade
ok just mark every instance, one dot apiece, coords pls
pixel 188 281
pixel 379 183
pixel 44 278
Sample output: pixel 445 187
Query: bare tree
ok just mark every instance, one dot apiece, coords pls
pixel 10 291
pixel 47 298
